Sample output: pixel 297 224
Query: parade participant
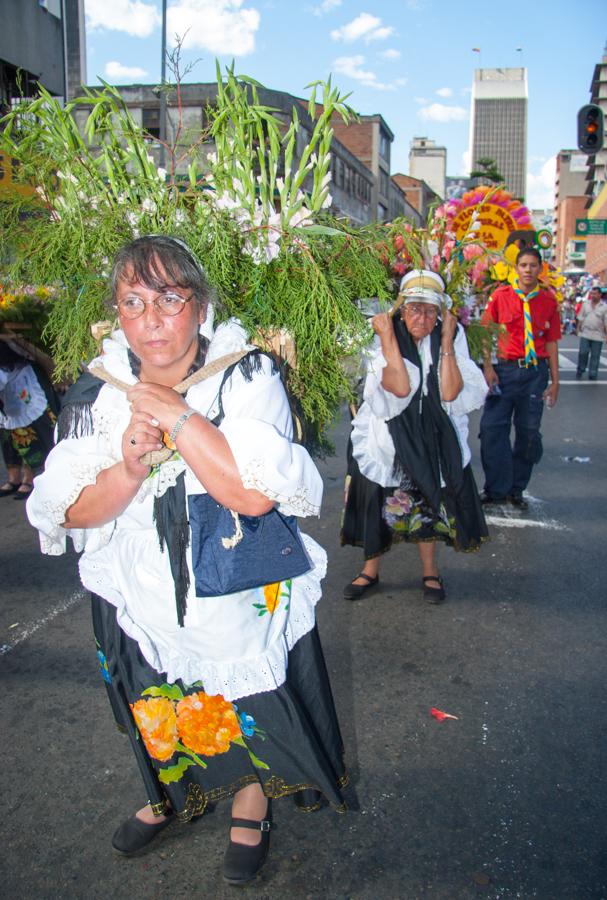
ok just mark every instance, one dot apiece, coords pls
pixel 592 328
pixel 527 352
pixel 220 683
pixel 28 410
pixel 409 439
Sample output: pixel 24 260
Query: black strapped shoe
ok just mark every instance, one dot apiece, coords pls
pixel 134 834
pixel 241 863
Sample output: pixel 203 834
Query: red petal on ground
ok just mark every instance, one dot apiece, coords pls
pixel 440 715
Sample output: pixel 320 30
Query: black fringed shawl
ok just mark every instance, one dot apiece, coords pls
pixel 170 510
pixel 424 437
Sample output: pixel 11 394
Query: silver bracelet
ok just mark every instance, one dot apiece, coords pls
pixel 183 418
pixel 448 353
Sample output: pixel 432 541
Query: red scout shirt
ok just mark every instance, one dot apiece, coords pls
pixel 506 308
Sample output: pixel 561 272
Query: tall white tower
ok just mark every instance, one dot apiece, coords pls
pixel 498 124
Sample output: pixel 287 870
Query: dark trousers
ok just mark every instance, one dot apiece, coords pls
pixel 592 349
pixel 508 468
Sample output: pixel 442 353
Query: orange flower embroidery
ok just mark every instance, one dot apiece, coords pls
pixel 271 593
pixel 207 724
pixel 157 725
pixel 23 437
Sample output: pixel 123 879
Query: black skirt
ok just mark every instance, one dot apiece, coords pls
pixel 193 749
pixel 364 523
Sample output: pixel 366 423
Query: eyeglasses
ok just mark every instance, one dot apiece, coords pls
pixel 422 309
pixel 167 304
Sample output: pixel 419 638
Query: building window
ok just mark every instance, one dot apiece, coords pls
pixel 382 212
pixel 384 146
pixel 150 121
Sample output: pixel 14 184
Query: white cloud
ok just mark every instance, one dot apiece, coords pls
pixel 116 71
pixel 325 7
pixel 445 92
pixel 365 27
pixel 540 186
pixel 351 66
pixel 466 163
pixel 438 112
pixel 400 81
pixel 420 100
pixel 131 16
pixel 390 54
pixel 219 26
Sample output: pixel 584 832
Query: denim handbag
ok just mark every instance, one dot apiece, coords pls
pixel 265 549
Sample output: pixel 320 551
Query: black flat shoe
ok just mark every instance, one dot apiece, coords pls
pixel 308 800
pixel 23 495
pixel 518 501
pixel 355 591
pixel 433 594
pixel 241 863
pixel 133 835
pixel 9 488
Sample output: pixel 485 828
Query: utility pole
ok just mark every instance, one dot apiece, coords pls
pixel 163 96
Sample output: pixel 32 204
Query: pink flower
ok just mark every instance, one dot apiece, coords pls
pixel 448 248
pixel 472 250
pixel 463 315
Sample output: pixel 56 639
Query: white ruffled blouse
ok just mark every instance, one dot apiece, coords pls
pixel 372 445
pixel 23 399
pixel 237 644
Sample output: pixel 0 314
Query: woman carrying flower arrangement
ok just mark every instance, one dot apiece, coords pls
pixel 220 684
pixel 409 439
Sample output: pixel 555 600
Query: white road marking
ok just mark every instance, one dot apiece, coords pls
pixel 507 522
pixel 28 630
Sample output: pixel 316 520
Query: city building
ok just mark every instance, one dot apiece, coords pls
pixel 428 162
pixel 353 185
pixel 370 140
pixel 418 194
pixel 498 124
pixel 569 205
pixel 41 41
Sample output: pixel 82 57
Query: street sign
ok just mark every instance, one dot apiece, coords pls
pixel 585 227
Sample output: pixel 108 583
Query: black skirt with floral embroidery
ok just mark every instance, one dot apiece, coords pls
pixel 193 748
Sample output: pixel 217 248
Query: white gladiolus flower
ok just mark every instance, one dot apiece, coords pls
pixel 149 206
pixel 326 203
pixel 162 173
pixel 280 183
pixel 180 217
pixel 326 179
pixel 132 218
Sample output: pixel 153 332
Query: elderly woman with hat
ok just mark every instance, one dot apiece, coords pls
pixel 411 478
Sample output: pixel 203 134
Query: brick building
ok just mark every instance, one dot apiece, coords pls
pixel 569 205
pixel 419 194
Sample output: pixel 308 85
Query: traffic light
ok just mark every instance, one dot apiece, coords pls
pixel 590 128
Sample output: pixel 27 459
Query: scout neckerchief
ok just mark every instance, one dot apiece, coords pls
pixel 530 354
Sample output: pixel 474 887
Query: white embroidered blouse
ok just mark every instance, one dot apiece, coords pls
pixel 372 445
pixel 237 644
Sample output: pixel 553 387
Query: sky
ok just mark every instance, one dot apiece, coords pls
pixel 412 61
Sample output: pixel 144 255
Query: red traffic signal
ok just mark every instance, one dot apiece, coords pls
pixel 590 128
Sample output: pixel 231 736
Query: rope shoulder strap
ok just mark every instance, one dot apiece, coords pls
pixel 154 457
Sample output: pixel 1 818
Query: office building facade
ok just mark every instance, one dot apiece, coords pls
pixel 498 124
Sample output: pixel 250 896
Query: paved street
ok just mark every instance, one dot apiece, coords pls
pixel 506 801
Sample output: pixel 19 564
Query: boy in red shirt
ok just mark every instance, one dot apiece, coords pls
pixel 527 353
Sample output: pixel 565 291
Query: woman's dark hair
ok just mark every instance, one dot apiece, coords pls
pixel 529 251
pixel 160 261
pixel 9 359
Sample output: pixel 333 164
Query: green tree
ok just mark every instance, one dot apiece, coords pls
pixel 487 169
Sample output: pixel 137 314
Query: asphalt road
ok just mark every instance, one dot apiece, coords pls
pixel 506 801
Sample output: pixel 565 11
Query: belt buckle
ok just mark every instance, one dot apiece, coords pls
pixel 522 363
